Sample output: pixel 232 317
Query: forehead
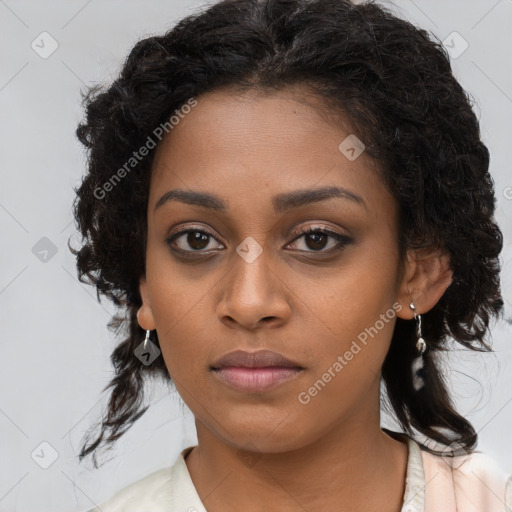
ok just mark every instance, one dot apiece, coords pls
pixel 246 145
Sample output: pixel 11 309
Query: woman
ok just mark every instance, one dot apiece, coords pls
pixel 291 202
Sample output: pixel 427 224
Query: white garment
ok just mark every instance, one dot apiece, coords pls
pixel 476 485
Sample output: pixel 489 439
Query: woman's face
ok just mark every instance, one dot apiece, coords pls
pixel 232 272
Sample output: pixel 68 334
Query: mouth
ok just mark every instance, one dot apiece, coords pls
pixel 259 359
pixel 255 371
pixel 256 379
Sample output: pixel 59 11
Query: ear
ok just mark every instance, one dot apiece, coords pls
pixel 145 313
pixel 426 276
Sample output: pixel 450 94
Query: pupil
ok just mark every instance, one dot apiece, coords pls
pixel 317 238
pixel 197 240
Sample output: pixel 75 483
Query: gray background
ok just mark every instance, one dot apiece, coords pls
pixel 55 344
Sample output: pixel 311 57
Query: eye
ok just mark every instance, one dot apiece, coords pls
pixel 197 239
pixel 317 239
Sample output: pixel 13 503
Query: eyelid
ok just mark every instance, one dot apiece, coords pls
pixel 316 227
pixel 192 227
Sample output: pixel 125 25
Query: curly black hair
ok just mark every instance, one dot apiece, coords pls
pixel 394 83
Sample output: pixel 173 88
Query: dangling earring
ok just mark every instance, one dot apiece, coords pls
pixel 418 363
pixel 146 339
pixel 147 351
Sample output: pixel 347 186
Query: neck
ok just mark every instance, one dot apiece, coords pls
pixel 355 464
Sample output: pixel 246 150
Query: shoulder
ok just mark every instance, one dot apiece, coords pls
pixel 165 490
pixel 473 482
pixel 148 493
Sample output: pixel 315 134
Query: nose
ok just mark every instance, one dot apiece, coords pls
pixel 253 294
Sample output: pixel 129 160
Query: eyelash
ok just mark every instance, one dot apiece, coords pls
pixel 342 239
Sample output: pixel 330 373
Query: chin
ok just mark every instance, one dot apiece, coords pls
pixel 265 436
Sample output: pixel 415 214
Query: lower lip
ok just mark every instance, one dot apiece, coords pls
pixel 256 379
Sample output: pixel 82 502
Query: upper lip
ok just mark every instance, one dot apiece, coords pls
pixel 259 359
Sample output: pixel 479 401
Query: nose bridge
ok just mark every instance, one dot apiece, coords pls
pixel 253 291
pixel 252 275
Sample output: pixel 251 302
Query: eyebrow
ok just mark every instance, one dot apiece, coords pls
pixel 280 202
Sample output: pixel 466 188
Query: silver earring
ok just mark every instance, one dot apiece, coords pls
pixel 147 338
pixel 418 363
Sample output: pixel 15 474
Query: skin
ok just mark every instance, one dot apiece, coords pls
pixel 260 448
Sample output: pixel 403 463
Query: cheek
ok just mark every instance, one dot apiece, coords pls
pixel 177 305
pixel 347 363
pixel 178 291
pixel 355 311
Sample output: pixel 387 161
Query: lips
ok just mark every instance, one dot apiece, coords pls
pixel 260 359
